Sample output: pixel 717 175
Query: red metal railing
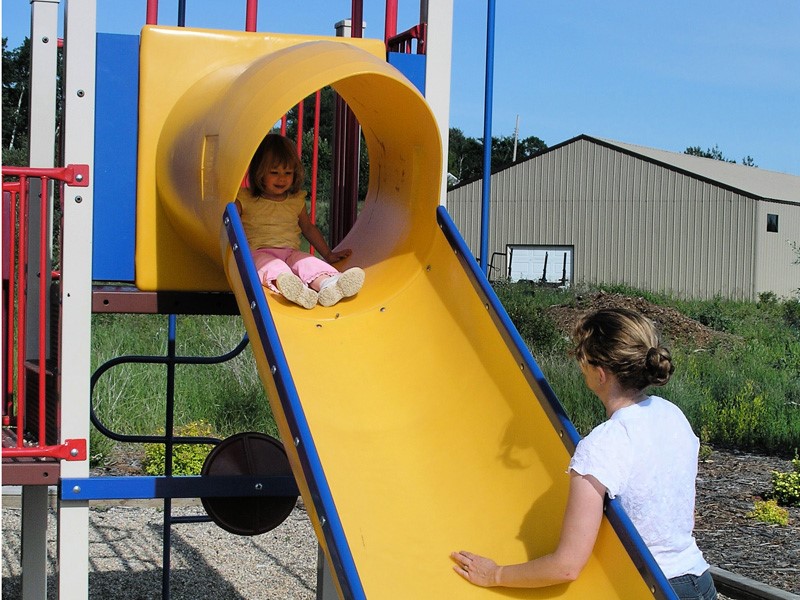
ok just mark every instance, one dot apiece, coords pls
pixel 403 42
pixel 16 197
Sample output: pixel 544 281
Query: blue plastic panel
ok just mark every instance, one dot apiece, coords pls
pixel 412 66
pixel 116 127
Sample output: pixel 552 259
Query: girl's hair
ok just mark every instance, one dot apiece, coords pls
pixel 627 344
pixel 275 151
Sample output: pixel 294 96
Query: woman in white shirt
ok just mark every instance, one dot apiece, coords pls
pixel 645 454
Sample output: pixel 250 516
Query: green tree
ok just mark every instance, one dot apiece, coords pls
pixel 716 154
pixel 16 77
pixel 16 102
pixel 465 156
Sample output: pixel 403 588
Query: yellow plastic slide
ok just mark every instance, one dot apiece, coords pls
pixel 415 420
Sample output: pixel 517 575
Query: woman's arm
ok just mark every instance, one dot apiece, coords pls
pixel 578 534
pixel 315 238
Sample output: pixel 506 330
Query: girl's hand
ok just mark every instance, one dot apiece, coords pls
pixel 337 255
pixel 476 569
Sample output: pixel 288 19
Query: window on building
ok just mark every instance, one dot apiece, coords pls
pixel 548 265
pixel 772 223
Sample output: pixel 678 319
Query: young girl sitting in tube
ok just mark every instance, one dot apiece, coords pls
pixel 274 214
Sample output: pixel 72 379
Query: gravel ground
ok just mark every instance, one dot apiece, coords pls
pixel 208 562
pixel 125 557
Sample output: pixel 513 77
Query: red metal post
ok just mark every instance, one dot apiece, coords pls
pixel 22 309
pixel 390 27
pixel 315 156
pixel 251 16
pixel 44 252
pixel 300 129
pixel 10 194
pixel 152 12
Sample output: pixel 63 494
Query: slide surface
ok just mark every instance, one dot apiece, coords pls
pixel 415 420
pixel 416 426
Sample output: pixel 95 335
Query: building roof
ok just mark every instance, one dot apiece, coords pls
pixel 752 181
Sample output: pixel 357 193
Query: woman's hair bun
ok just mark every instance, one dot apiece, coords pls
pixel 658 365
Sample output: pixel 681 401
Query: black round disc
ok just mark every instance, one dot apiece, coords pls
pixel 253 454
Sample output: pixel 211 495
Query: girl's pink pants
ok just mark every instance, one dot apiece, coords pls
pixel 271 262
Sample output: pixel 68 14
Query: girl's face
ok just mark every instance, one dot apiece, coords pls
pixel 277 180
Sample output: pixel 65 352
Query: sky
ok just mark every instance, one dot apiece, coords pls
pixel 666 75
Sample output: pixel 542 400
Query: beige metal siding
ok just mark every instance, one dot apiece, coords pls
pixel 775 266
pixel 631 221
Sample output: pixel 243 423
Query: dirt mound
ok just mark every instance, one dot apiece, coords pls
pixel 674 325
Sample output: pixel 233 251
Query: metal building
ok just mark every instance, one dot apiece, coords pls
pixel 595 211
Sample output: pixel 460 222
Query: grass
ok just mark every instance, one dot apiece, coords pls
pixel 743 392
pixel 131 398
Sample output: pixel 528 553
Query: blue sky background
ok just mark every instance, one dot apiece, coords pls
pixel 663 75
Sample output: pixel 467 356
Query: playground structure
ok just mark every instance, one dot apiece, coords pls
pixel 441 431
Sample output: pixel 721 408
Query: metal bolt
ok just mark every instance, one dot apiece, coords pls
pixel 274 369
pixel 259 487
pixel 226 220
pixel 76 489
pixel 78 199
pixel 45 39
pixel 235 247
pixel 73 452
pixel 322 521
pixel 81 93
pixel 78 177
pixel 297 441
pixel 253 305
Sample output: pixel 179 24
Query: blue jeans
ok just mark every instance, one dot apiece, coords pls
pixel 694 587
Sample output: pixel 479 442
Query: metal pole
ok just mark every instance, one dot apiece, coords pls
pixel 516 137
pixel 251 15
pixel 390 26
pixel 487 138
pixel 152 12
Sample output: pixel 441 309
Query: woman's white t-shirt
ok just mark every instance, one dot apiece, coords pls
pixel 646 455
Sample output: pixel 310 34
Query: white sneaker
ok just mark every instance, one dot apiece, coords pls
pixel 294 290
pixel 341 286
